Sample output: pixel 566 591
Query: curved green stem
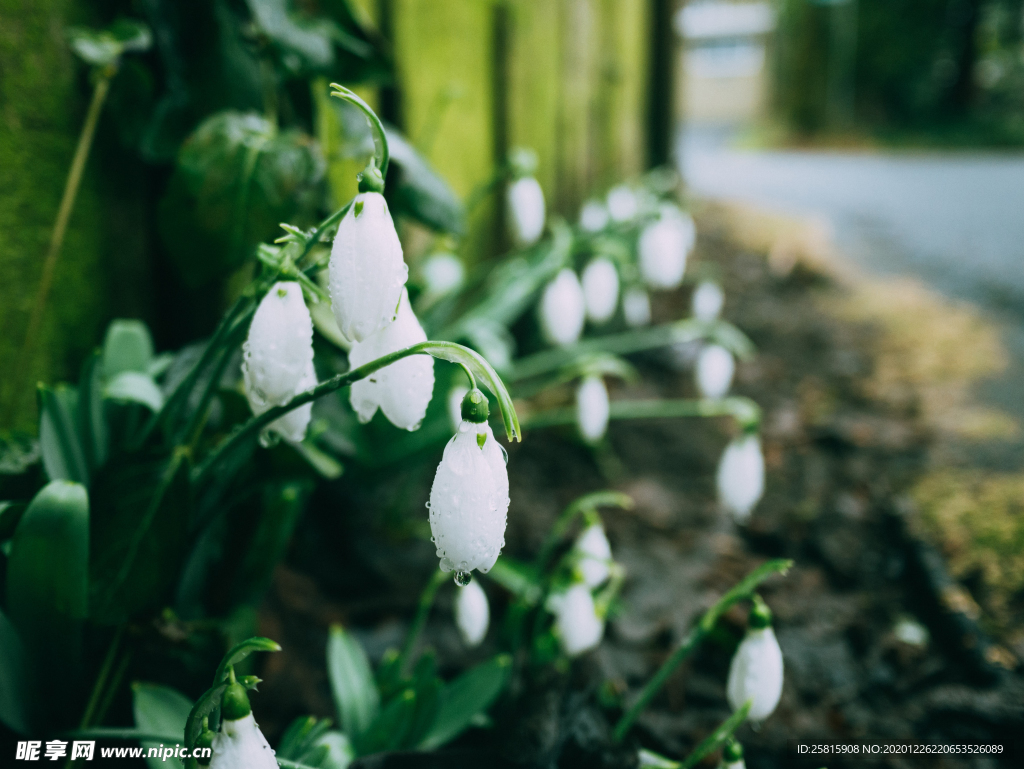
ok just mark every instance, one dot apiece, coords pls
pixel 745 411
pixel 382 155
pixel 565 520
pixel 420 620
pixel 718 737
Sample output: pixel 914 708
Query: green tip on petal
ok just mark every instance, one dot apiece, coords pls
pixel 760 615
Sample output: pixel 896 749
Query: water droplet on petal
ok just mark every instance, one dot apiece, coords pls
pixel 463 578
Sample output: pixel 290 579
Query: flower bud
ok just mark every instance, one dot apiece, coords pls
pixel 707 301
pixel 576 622
pixel 756 674
pixel 562 309
pixel 715 369
pixel 732 755
pixel 366 269
pixel 636 307
pixel 600 289
pixel 741 476
pixel 241 745
pixel 472 613
pixel 526 210
pixel 663 248
pixel 595 555
pixel 469 500
pixel 402 389
pixel 593 216
pixel 622 203
pixel 441 273
pixel 277 358
pixel 592 408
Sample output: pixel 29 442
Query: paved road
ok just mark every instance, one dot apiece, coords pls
pixel 954 220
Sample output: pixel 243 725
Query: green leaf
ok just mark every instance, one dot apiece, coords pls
pixel 464 698
pixel 355 694
pixel 240 651
pixel 103 47
pixel 518 578
pixel 301 46
pixel 159 710
pixel 300 735
pixel 10 514
pixel 13 679
pixel 421 193
pixel 92 424
pixel 133 387
pixel 205 705
pixel 126 347
pixel 340 752
pixel 389 730
pixel 427 686
pixel 59 442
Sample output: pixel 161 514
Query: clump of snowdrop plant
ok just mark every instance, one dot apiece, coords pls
pixel 562 309
pixel 595 555
pixel 592 408
pixel 600 282
pixel 636 307
pixel 469 498
pixel 402 390
pixel 755 674
pixel 664 246
pixel 472 613
pixel 277 358
pixel 740 477
pixel 593 216
pixel 240 744
pixel 707 301
pixel 715 369
pixel 578 625
pixel 622 203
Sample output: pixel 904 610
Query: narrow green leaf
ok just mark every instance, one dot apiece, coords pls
pixel 13 678
pixel 518 578
pixel 468 695
pixel 242 650
pixel 205 705
pixel 59 442
pixel 340 752
pixel 160 710
pixel 389 730
pixel 92 424
pixel 10 514
pixel 127 347
pixel 355 693
pixel 135 387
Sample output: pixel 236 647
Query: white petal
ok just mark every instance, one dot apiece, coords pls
pixel 593 216
pixel 756 674
pixel 715 369
pixel 469 501
pixel 241 745
pixel 576 622
pixel 403 389
pixel 592 408
pixel 472 613
pixel 596 555
pixel 741 476
pixel 562 311
pixel 636 307
pixel 707 301
pixel 366 269
pixel 526 210
pixel 663 247
pixel 622 203
pixel 600 289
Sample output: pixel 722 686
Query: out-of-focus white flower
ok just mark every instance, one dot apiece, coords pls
pixel 442 272
pixel 403 389
pixel 663 248
pixel 592 408
pixel 469 500
pixel 241 745
pixel 277 358
pixel 455 405
pixel 472 613
pixel 600 289
pixel 526 210
pixel 741 476
pixel 715 369
pixel 593 216
pixel 756 674
pixel 595 555
pixel 576 622
pixel 636 307
pixel 707 301
pixel 622 203
pixel 367 272
pixel 562 310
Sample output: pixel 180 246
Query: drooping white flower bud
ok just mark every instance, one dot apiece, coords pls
pixel 241 745
pixel 578 627
pixel 277 358
pixel 592 408
pixel 526 210
pixel 756 670
pixel 707 301
pixel 469 500
pixel 593 216
pixel 403 389
pixel 367 272
pixel 741 476
pixel 715 369
pixel 472 613
pixel 455 405
pixel 595 555
pixel 622 203
pixel 600 289
pixel 663 248
pixel 636 307
pixel 562 309
pixel 442 272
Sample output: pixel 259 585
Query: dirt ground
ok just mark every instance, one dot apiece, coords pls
pixel 880 643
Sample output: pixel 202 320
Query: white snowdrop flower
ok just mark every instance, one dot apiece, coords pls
pixel 578 627
pixel 277 358
pixel 366 269
pixel 732 756
pixel 595 555
pixel 592 408
pixel 636 307
pixel 663 248
pixel 600 289
pixel 741 476
pixel 593 216
pixel 562 309
pixel 455 405
pixel 707 301
pixel 469 498
pixel 756 670
pixel 526 210
pixel 241 745
pixel 442 272
pixel 715 369
pixel 622 203
pixel 472 613
pixel 403 389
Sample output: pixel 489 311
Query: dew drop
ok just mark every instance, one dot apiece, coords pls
pixel 463 578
